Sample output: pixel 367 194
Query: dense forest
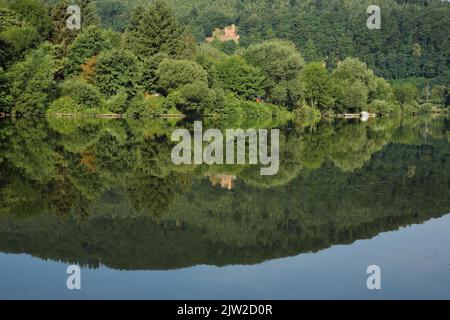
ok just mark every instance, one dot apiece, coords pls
pixel 97 191
pixel 294 58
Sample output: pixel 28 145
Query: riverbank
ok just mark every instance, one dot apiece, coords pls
pixel 364 116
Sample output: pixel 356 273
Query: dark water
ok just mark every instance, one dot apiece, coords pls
pixel 105 195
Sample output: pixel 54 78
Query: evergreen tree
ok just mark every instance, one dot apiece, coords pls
pixel 310 52
pixel 154 30
pixel 60 33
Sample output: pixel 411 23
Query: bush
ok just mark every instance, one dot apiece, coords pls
pixel 31 80
pixel 381 106
pixel 405 93
pixel 240 78
pixel 193 98
pixel 118 103
pixel 152 107
pixel 173 74
pixel 426 108
pixel 307 112
pixel 67 105
pixel 84 94
pixel 253 110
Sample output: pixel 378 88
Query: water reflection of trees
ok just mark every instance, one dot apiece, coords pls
pixel 99 191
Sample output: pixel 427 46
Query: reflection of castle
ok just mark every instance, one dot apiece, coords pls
pixel 225 180
pixel 227 34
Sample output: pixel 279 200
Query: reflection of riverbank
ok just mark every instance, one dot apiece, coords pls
pixel 105 191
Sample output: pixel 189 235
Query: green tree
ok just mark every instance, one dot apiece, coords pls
pixel 281 64
pixel 60 33
pixel 405 92
pixel 34 12
pixel 116 69
pixel 208 56
pixel 150 67
pixel 173 74
pixel 352 69
pixel 90 42
pixel 278 59
pixel 6 102
pixel 240 78
pixel 310 51
pixel 380 89
pixel 31 81
pixel 193 98
pixel 84 94
pixel 318 86
pixel 16 37
pixel 351 96
pixel 354 81
pixel 114 14
pixel 154 30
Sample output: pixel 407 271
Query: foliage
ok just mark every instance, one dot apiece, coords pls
pixel 156 53
pixel 281 63
pixel 192 98
pixel 240 78
pixel 173 74
pixel 152 107
pixel 405 92
pixel 155 30
pixel 34 12
pixel 64 36
pixel 16 36
pixel 116 69
pixel 318 86
pixel 89 43
pixel 83 93
pixel 149 79
pixel 6 101
pixel 31 81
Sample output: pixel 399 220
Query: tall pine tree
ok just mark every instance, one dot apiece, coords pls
pixel 155 30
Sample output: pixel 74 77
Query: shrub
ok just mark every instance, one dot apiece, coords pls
pixel 67 105
pixel 152 107
pixel 173 74
pixel 84 94
pixel 381 106
pixel 119 102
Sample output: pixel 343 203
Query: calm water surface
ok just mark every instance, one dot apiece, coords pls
pixel 104 194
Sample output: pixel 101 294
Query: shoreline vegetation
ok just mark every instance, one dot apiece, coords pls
pixel 157 67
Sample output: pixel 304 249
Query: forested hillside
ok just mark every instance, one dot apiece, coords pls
pixel 294 58
pixel 412 42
